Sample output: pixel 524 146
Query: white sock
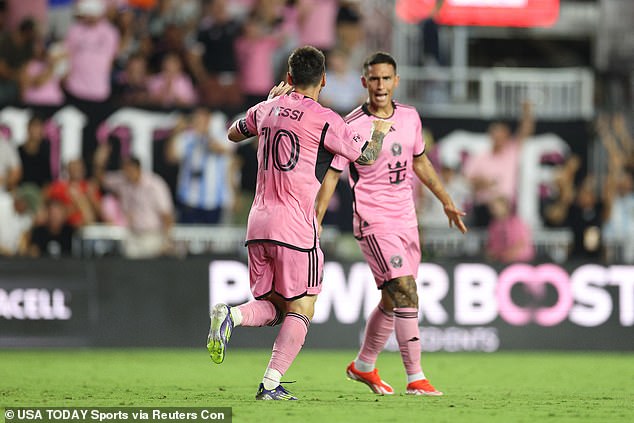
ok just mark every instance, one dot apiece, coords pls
pixel 236 315
pixel 271 379
pixel 416 376
pixel 363 366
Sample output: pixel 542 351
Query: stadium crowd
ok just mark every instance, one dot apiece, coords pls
pixel 210 59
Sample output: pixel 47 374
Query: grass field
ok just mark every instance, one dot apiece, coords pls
pixel 502 387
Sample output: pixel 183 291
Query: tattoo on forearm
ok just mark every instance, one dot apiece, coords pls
pixel 373 149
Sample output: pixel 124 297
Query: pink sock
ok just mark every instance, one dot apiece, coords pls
pixel 378 328
pixel 407 336
pixel 289 341
pixel 258 313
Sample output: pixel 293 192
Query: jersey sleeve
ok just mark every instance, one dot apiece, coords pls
pixel 342 140
pixel 339 163
pixel 419 142
pixel 249 123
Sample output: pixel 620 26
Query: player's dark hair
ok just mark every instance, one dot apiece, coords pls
pixel 306 65
pixel 377 58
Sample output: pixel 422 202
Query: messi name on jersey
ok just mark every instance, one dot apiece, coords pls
pixel 293 114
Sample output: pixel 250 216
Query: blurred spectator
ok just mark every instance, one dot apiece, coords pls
pixel 60 18
pixel 125 23
pixel 247 163
pixel 350 32
pixel 620 224
pixel 159 17
pixel 172 41
pixel 53 237
pixel 556 205
pixel 206 181
pixel 509 237
pixel 172 87
pixel 40 79
pixel 619 227
pixel 35 154
pixel 182 13
pixel 317 20
pixel 10 165
pixel 495 172
pixel 92 44
pixel 80 195
pixel 431 213
pixel 254 50
pixel 20 10
pixel 131 84
pixel 16 49
pixel 342 92
pixel 145 201
pixel 217 35
pixel 15 221
pixel 586 217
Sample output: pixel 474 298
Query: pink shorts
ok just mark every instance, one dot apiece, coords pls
pixel 288 272
pixel 392 255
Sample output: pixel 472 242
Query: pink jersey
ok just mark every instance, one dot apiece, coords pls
pixel 92 49
pixel 382 192
pixel 297 141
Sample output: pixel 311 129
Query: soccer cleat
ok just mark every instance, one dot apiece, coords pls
pixel 422 387
pixel 372 379
pixel 277 394
pixel 219 332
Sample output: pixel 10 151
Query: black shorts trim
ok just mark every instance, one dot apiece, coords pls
pixel 281 244
pixel 263 296
pixel 376 252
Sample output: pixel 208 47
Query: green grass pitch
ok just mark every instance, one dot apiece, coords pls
pixel 501 387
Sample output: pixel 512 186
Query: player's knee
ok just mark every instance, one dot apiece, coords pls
pixel 304 306
pixel 279 317
pixel 403 292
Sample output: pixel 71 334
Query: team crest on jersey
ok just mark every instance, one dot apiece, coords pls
pixel 397 149
pixel 396 262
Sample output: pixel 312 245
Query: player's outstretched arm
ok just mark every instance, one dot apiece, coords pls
pixel 324 195
pixel 380 128
pixel 526 126
pixel 428 176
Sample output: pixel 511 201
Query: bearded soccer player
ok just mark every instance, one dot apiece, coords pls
pixel 385 224
pixel 298 139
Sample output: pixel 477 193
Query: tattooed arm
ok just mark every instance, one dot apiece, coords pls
pixel 428 176
pixel 371 151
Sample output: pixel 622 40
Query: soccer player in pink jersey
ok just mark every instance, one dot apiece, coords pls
pixel 385 223
pixel 298 139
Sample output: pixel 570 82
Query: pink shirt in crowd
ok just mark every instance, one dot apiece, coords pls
pixel 383 197
pixel 92 50
pixel 142 203
pixel 318 26
pixel 505 234
pixel 179 92
pixel 255 64
pixel 48 94
pixel 297 140
pixel 502 168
